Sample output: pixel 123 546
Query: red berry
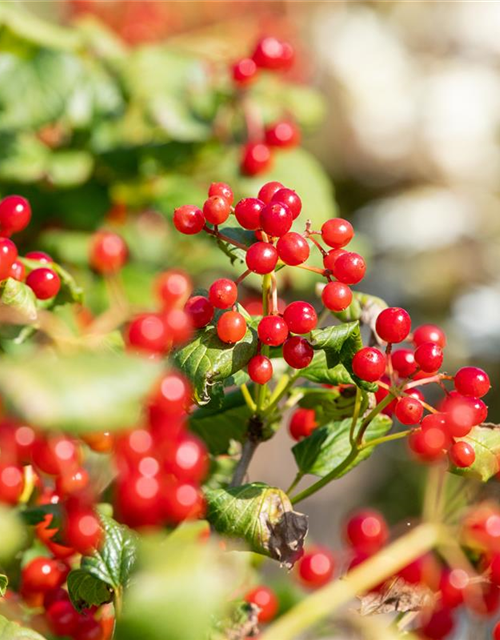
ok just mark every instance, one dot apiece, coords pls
pixel 88 629
pixel 276 219
pixel 367 531
pixel 41 256
pixel 429 444
pixel 83 530
pixel 247 212
pixel 293 249
pixel 55 454
pixel 17 271
pixel 262 258
pixel 260 369
pixel 173 394
pixel 403 362
pixel 316 568
pixel 290 199
pixel 182 501
pixel 300 317
pixel 297 352
pixel 496 631
pixel 16 441
pixel 461 416
pixel 223 190
pixel 189 219
pixel 349 268
pixel 409 410
pixel 452 585
pixel 439 625
pixel 43 574
pixel 72 482
pixel 369 364
pixel 434 420
pixel 268 190
pixel 173 287
pixel 302 423
pixel 178 325
pixel 200 310
pixel 62 618
pixel 283 134
pixel 337 233
pixel 256 158
pixel 44 282
pixel 244 71
pixel 99 441
pixel 429 357
pixel 223 293
pixel 108 252
pixel 268 53
pixel 336 296
pixel 138 500
pixel 479 410
pixel 495 569
pixel 472 381
pixel 11 483
pixel 272 330
pixel 15 214
pixel 231 327
pixel 8 255
pixel 393 324
pixel 330 258
pixel 148 332
pixel 429 333
pixel 134 445
pixel 462 454
pixel 216 210
pixel 266 600
pixel 187 459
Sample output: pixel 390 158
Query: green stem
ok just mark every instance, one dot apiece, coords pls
pixel 295 482
pixel 373 413
pixel 281 389
pixel 355 416
pixel 262 388
pixel 364 577
pixel 248 398
pixel 384 439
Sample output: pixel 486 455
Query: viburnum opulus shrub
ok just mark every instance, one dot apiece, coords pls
pixel 126 439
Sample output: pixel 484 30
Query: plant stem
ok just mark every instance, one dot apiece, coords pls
pixel 295 482
pixel 384 439
pixel 221 236
pixel 355 416
pixel 306 267
pixel 248 398
pixel 364 577
pixel 262 388
pixel 373 414
pixel 249 448
pixel 281 389
pixel 419 383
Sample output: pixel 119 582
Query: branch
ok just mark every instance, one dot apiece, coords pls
pixel 249 448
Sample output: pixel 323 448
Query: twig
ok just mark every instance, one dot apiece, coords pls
pixel 248 449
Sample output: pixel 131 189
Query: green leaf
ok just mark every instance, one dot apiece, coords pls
pixel 78 393
pixel 486 442
pixel 12 533
pixel 319 372
pixel 4 583
pixel 329 446
pixel 20 299
pixel 69 167
pixel 260 515
pixel 28 26
pixel 207 360
pixel 36 514
pixel 13 631
pixel 330 404
pixel 218 426
pixel 85 590
pixel 23 158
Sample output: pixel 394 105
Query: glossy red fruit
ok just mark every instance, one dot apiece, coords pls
pixel 337 233
pixel 15 214
pixel 268 53
pixel 291 199
pixel 403 362
pixel 316 568
pixel 55 454
pixel 496 631
pixel 349 268
pixel 256 158
pixel 262 258
pixel 460 416
pixel 409 410
pixel 231 327
pixel 173 394
pixel 244 71
pixel 223 293
pixel 200 310
pixel 43 574
pixel 72 482
pixel 438 625
pixel 300 317
pixel 134 445
pixel 472 381
pixel 302 423
pixel 189 219
pixel 11 483
pixel 495 569
pixel 221 189
pixel 62 618
pixel 108 252
pixel 55 595
pixel 41 256
pixel 479 409
pixel 266 600
pixel 284 135
pixel 293 249
pixel 336 296
pixel 429 357
pixel 268 190
pixel 330 258
pixel 16 441
pixel 429 333
pixel 453 585
pixel 216 210
pixel 99 441
pixel 297 352
pixel 44 282
pixel 138 500
pixel 276 219
pixel 272 330
pixel 187 459
pixel 179 325
pixel 369 364
pixel 462 454
pixel 148 332
pixel 17 271
pixel 366 530
pixel 182 501
pixel 430 444
pixel 83 530
pixel 247 212
pixel 260 369
pixel 8 255
pixel 88 629
pixel 173 287
pixel 393 324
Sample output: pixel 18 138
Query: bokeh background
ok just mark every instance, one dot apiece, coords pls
pixel 111 122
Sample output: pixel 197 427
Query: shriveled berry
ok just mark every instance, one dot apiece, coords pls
pixel 108 252
pixel 256 158
pixel 262 258
pixel 302 423
pixel 15 214
pixel 291 199
pixel 409 410
pixel 266 600
pixel 462 454
pixel 244 71
pixel 369 364
pixel 293 248
pixel 349 268
pixel 200 310
pixel 221 189
pixel 189 219
pixel 429 333
pixel 276 219
pixel 267 191
pixel 472 381
pixel 231 327
pixel 216 210
pixel 283 134
pixel 337 233
pixel 336 296
pixel 223 293
pixel 300 317
pixel 429 357
pixel 272 330
pixel 403 362
pixel 366 530
pixel 316 568
pixel 393 324
pixel 247 212
pixel 173 287
pixel 148 332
